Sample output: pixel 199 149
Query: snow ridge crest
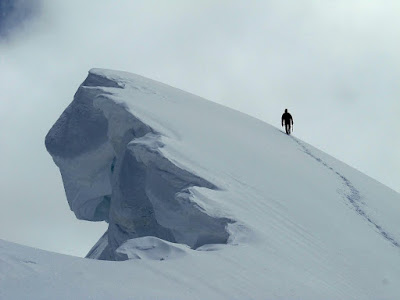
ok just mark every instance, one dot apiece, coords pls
pixel 113 170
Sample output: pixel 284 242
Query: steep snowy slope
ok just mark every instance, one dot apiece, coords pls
pixel 206 202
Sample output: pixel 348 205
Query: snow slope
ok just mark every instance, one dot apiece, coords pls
pixel 205 203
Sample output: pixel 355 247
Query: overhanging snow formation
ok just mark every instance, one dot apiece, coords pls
pixel 113 170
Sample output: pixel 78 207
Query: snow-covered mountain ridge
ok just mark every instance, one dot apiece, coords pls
pixel 206 202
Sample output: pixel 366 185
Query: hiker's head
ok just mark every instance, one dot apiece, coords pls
pixel 286 110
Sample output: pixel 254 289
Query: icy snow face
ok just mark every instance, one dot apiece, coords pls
pixel 113 170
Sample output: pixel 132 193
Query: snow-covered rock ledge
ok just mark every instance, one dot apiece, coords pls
pixel 114 170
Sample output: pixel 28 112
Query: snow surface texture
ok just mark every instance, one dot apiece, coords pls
pixel 205 202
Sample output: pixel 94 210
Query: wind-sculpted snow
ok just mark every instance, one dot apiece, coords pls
pixel 150 248
pixel 113 170
pixel 206 203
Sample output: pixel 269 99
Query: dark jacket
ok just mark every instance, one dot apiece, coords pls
pixel 287 118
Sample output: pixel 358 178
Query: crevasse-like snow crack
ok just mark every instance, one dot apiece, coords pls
pixel 352 195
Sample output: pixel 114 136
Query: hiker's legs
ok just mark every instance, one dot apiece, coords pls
pixel 287 128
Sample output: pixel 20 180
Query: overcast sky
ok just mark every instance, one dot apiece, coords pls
pixel 334 64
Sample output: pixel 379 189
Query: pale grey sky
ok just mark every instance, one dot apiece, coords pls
pixel 334 64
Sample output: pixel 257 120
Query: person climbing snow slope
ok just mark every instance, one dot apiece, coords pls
pixel 288 121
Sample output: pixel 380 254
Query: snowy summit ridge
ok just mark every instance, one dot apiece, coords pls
pixel 113 169
pixel 208 203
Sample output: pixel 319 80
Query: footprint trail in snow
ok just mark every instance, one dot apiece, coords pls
pixel 353 195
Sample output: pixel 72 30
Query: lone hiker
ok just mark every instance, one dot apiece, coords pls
pixel 288 120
